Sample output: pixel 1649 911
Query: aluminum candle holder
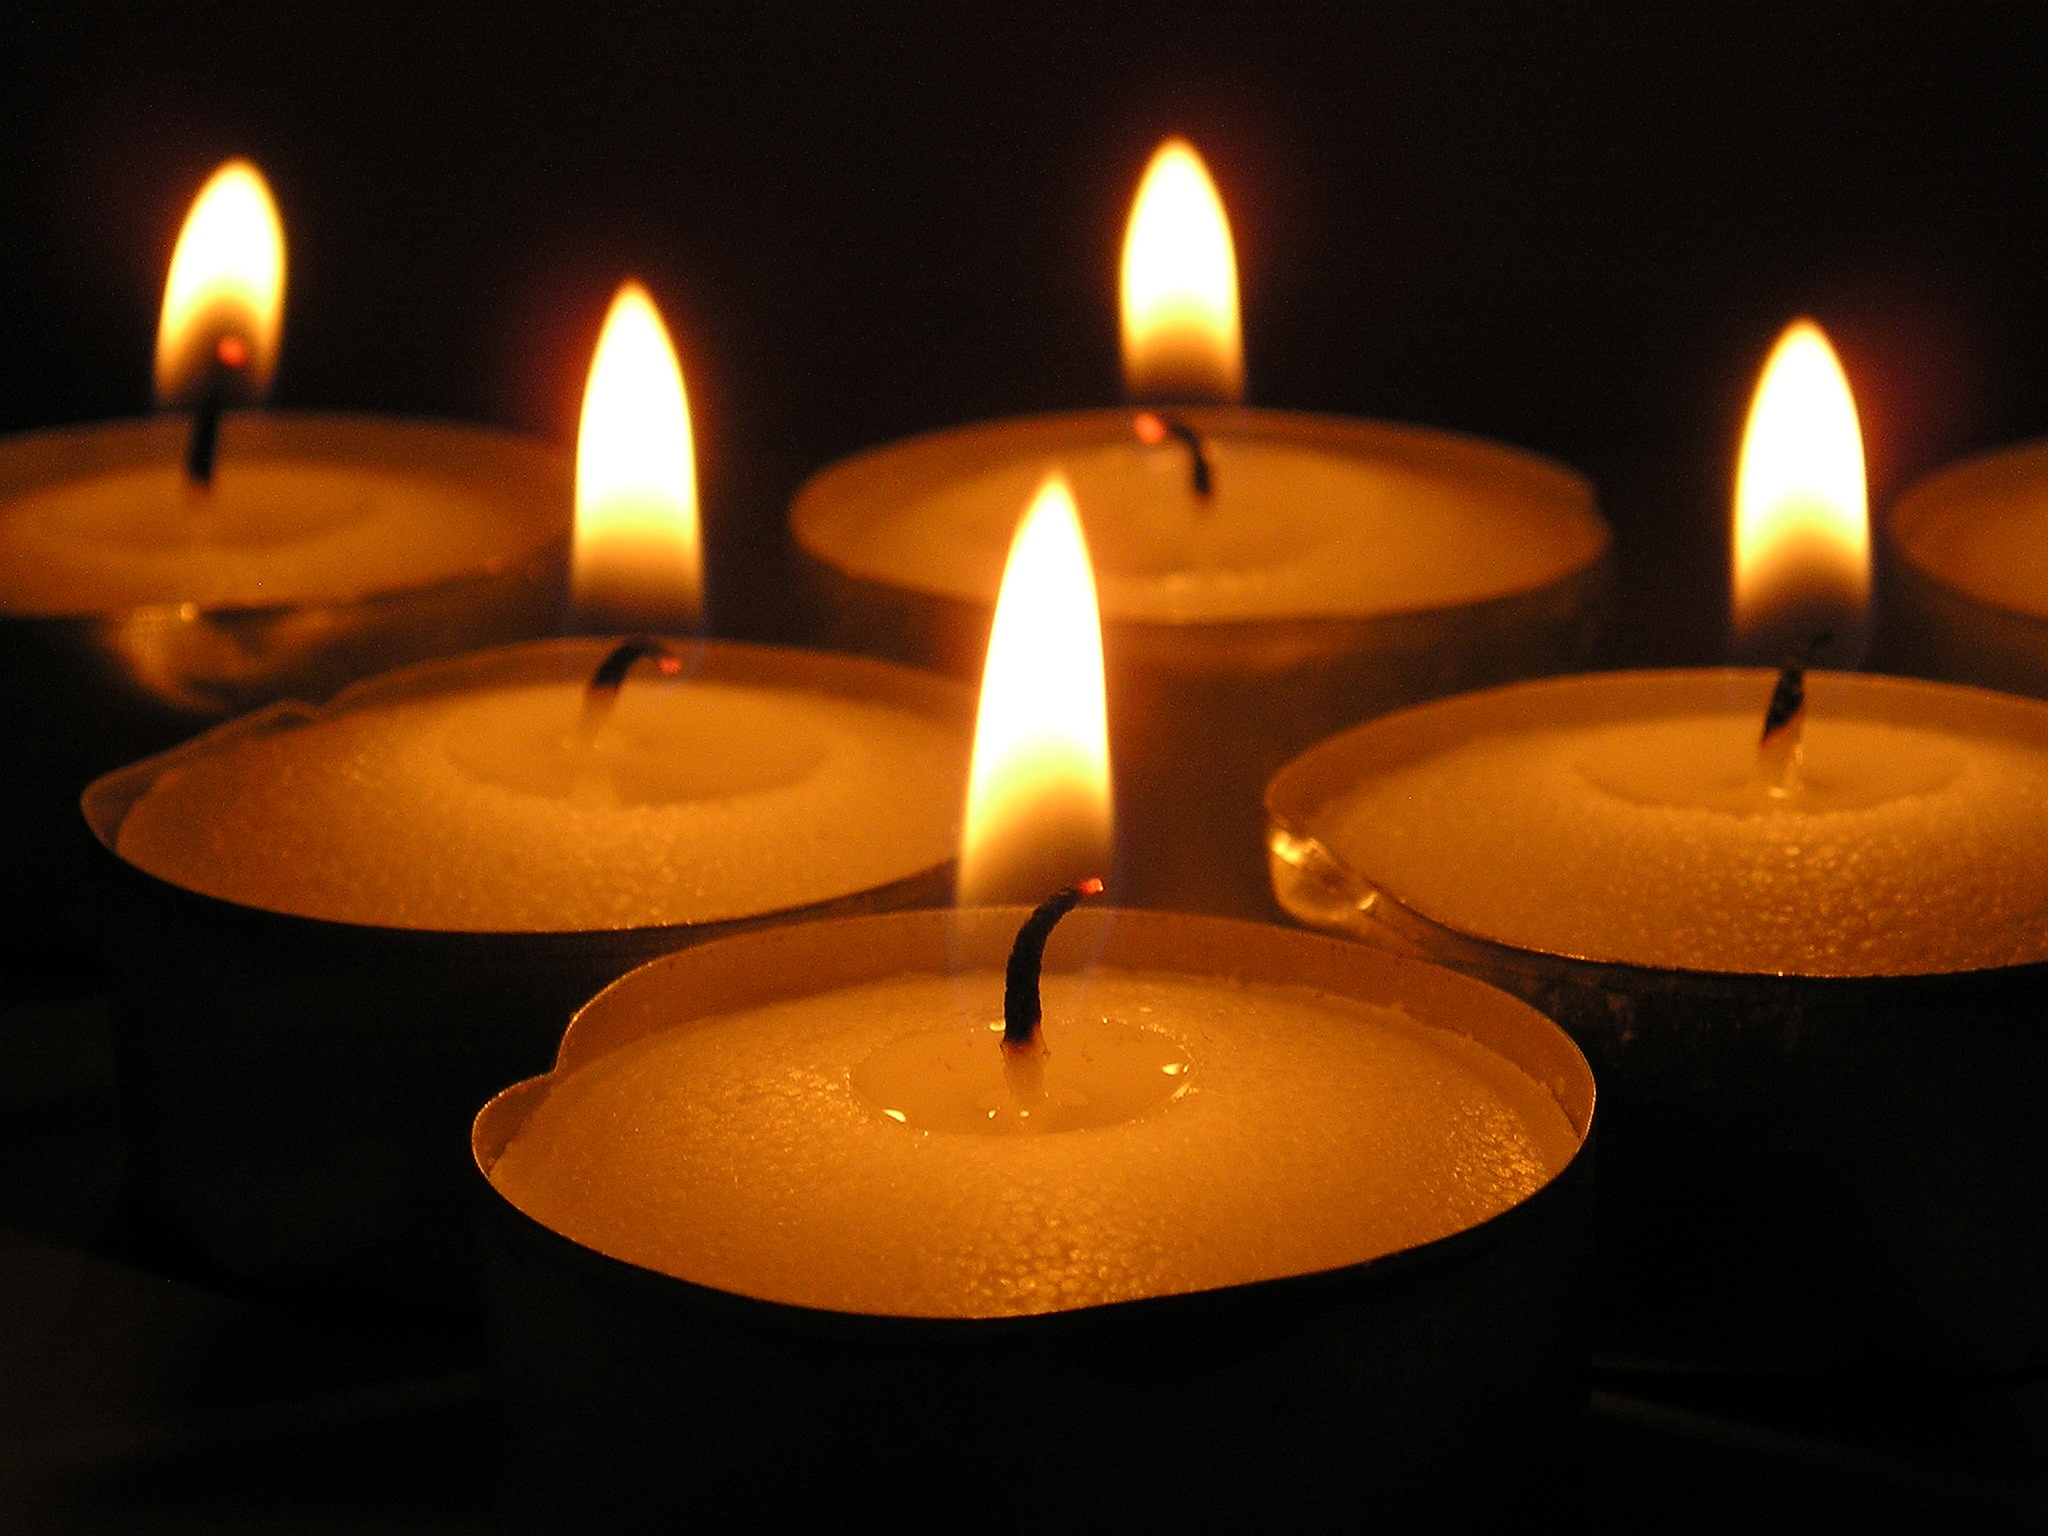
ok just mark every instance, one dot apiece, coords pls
pixel 299 1088
pixel 1799 1172
pixel 90 689
pixel 1427 1386
pixel 1203 712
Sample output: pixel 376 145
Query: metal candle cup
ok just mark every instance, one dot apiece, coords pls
pixel 91 682
pixel 1803 1166
pixel 1416 1385
pixel 299 1086
pixel 1206 704
pixel 1966 579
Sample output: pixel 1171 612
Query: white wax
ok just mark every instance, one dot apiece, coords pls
pixel 756 1153
pixel 1309 521
pixel 1624 818
pixel 301 510
pixel 481 808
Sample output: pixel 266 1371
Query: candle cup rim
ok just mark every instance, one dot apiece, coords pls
pixel 108 800
pixel 1089 930
pixel 1289 812
pixel 43 457
pixel 817 502
pixel 1190 1309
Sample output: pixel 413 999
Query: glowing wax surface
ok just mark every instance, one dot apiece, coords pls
pixel 1908 843
pixel 756 1152
pixel 484 810
pixel 269 532
pixel 1308 526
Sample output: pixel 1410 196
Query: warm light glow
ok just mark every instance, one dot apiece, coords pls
pixel 1802 517
pixel 1180 327
pixel 636 564
pixel 1038 796
pixel 224 298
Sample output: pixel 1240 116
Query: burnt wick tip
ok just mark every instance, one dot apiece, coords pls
pixel 1021 1007
pixel 226 378
pixel 203 444
pixel 1153 428
pixel 602 691
pixel 1788 698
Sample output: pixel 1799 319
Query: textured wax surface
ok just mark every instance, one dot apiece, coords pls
pixel 479 810
pixel 1288 532
pixel 1901 850
pixel 268 532
pixel 1313 1132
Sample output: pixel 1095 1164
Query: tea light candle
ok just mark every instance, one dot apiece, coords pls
pixel 1265 577
pixel 140 602
pixel 818 1132
pixel 1626 819
pixel 1967 573
pixel 468 796
pixel 862 1150
pixel 522 825
pixel 423 880
pixel 1802 934
pixel 1814 1015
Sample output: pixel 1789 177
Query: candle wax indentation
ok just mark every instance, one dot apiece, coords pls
pixel 1287 531
pixel 704 802
pixel 1900 849
pixel 637 757
pixel 1084 1072
pixel 268 532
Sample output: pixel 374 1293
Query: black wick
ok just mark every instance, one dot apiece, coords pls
pixel 602 691
pixel 1021 1007
pixel 1789 697
pixel 226 379
pixel 1154 429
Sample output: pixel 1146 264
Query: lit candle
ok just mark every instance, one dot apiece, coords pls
pixel 1265 577
pixel 549 814
pixel 893 1122
pixel 1799 929
pixel 157 576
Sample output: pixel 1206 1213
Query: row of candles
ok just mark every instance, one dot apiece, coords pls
pixel 1794 920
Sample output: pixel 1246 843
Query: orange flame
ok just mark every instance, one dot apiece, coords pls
pixel 637 562
pixel 1038 792
pixel 224 296
pixel 1181 339
pixel 1802 514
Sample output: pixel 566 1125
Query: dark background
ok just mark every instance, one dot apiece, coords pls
pixel 1577 228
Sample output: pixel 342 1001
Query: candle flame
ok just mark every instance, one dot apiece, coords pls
pixel 637 563
pixel 1802 516
pixel 224 297
pixel 1038 793
pixel 1181 339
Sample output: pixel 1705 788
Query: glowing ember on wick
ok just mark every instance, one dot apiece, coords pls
pixel 1022 1010
pixel 601 694
pixel 1153 429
